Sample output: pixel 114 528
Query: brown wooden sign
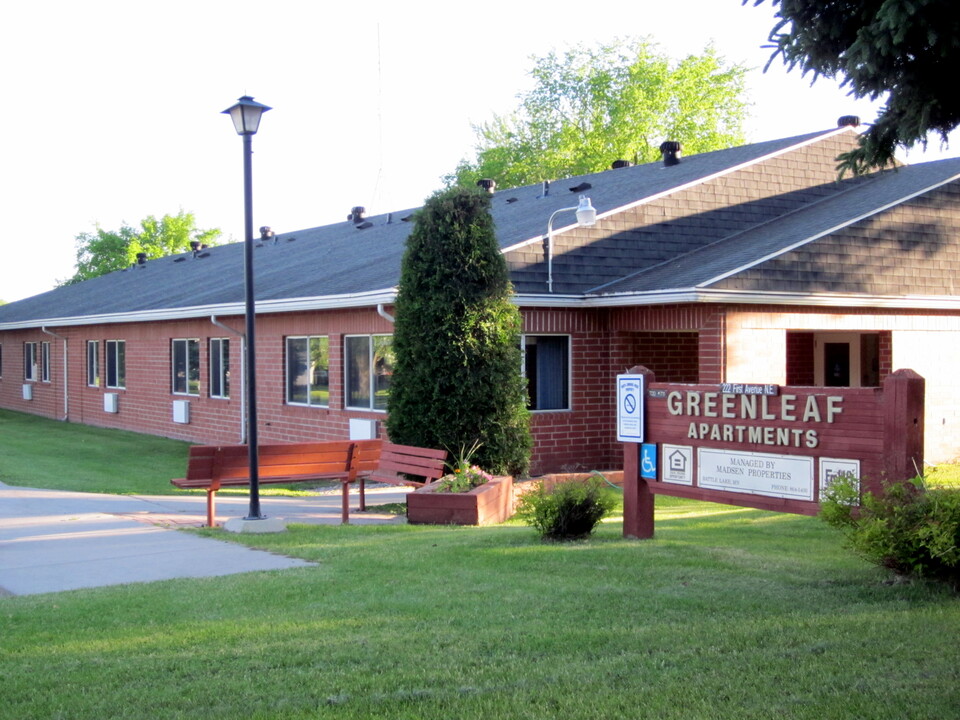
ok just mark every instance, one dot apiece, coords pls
pixel 770 450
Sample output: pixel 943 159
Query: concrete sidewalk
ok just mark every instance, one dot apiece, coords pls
pixel 52 540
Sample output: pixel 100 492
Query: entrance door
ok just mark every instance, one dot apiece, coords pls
pixel 836 364
pixel 846 359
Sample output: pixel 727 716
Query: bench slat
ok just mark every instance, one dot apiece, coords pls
pixel 211 467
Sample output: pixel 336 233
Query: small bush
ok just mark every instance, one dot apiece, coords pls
pixel 567 511
pixel 909 529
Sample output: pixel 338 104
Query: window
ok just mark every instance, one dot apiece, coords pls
pixel 93 363
pixel 30 361
pixel 117 364
pixel 1 360
pixel 186 367
pixel 45 362
pixel 546 365
pixel 219 368
pixel 369 368
pixel 308 371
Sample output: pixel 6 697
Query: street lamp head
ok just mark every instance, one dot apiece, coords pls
pixel 586 214
pixel 246 115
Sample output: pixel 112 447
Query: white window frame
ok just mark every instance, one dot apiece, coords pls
pixel 372 406
pixel 93 363
pixel 45 361
pixel 30 361
pixel 310 387
pixel 569 370
pixel 119 364
pixel 190 374
pixel 219 372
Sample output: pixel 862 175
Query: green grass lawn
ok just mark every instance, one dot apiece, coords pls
pixel 727 613
pixel 43 453
pixel 39 452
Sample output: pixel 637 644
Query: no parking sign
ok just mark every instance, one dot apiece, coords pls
pixel 630 394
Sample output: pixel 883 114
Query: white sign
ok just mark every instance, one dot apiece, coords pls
pixel 630 396
pixel 676 464
pixel 832 468
pixel 783 476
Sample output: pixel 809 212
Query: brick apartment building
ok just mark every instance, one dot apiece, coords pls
pixel 753 264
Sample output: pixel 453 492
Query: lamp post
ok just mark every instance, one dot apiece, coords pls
pixel 246 115
pixel 586 217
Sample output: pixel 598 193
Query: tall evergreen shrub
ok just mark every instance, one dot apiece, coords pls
pixel 456 379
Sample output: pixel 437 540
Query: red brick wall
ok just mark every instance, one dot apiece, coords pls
pixel 603 344
pixel 672 356
pixel 800 351
pixel 578 438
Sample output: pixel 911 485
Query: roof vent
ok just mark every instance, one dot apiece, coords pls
pixel 364 225
pixel 545 190
pixel 488 184
pixel 671 151
pixel 581 187
pixel 141 258
pixel 848 121
pixel 356 214
pixel 617 164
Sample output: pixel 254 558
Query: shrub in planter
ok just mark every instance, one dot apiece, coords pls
pixel 569 510
pixel 909 529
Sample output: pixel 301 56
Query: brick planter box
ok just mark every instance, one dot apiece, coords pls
pixel 488 504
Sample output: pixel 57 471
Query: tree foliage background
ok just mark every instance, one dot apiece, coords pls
pixel 456 378
pixel 906 50
pixel 591 106
pixel 104 251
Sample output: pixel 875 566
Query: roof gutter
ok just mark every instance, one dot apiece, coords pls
pixel 739 297
pixel 264 307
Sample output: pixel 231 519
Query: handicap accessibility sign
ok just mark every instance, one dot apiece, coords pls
pixel 630 394
pixel 648 461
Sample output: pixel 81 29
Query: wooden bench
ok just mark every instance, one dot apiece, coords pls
pixel 211 467
pixel 399 465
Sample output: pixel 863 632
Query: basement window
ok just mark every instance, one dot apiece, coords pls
pixel 30 361
pixel 546 366
pixel 219 368
pixel 308 371
pixel 45 362
pixel 117 364
pixel 185 363
pixel 369 369
pixel 93 363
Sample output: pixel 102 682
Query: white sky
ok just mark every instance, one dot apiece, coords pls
pixel 113 107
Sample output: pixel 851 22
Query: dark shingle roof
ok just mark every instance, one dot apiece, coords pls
pixel 339 260
pixel 720 263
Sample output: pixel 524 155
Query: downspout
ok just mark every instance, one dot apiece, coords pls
pixel 66 387
pixel 243 387
pixel 384 314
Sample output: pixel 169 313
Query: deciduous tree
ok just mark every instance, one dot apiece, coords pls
pixel 104 251
pixel 589 107
pixel 906 51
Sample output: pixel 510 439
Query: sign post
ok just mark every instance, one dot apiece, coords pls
pixel 631 417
